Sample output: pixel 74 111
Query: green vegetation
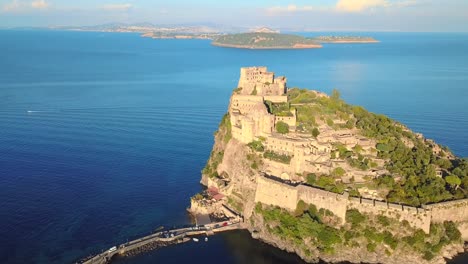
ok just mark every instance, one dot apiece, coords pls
pixel 198 197
pixel 325 182
pixel 315 132
pixel 263 40
pixel 254 92
pixel 235 204
pixel 282 127
pixel 223 135
pixel 338 172
pixel 279 109
pixel 311 179
pixel 310 228
pixel 255 161
pixel 256 145
pixel 308 222
pixel 211 166
pixel 415 164
pixel 225 127
pixel 277 157
pixel 237 90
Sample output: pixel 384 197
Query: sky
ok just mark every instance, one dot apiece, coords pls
pixel 302 15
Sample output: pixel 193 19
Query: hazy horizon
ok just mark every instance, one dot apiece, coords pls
pixel 299 15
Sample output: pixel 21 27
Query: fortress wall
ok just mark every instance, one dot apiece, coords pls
pixel 276 98
pixel 241 97
pixel 290 120
pixel 285 196
pixel 275 193
pixel 336 203
pixel 463 227
pixel 284 171
pixel 236 133
pixel 456 211
pixel 417 219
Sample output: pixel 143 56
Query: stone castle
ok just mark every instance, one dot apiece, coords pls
pixel 251 120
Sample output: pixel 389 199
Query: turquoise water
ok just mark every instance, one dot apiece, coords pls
pixel 120 127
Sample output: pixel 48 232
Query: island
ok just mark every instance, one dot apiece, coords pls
pixel 310 174
pixel 179 35
pixel 344 39
pixel 262 40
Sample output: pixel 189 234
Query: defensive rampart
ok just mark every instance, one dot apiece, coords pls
pixel 279 193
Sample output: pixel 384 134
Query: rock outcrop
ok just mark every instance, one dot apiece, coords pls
pixel 253 162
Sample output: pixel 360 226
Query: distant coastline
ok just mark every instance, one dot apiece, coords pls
pixel 295 46
pixel 345 39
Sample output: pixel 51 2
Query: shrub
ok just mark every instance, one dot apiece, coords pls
pixel 277 157
pixel 428 255
pixel 282 127
pixel 354 217
pixel 452 231
pixel 315 132
pixel 383 220
pixel 256 145
pixel 338 172
pixel 371 247
pixel 311 178
pixel 300 208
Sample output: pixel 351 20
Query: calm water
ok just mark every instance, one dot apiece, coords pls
pixel 121 127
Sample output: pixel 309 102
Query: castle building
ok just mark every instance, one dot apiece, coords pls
pixel 251 120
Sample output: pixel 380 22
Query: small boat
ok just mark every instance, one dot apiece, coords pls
pixel 206 239
pixel 112 249
pixel 195 239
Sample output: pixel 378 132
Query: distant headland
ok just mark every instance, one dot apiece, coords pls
pixel 260 40
pixel 231 37
pixel 263 40
pixel 345 39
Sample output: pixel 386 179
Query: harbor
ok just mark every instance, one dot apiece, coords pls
pixel 205 225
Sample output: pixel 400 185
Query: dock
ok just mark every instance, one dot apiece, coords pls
pixel 161 239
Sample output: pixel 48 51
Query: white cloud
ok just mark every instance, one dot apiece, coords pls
pixel 18 6
pixel 39 4
pixel 352 6
pixel 117 7
pixel 291 9
pixel 12 6
pixel 360 5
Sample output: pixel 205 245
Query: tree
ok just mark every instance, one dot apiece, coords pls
pixel 338 172
pixel 315 132
pixel 311 178
pixel 282 127
pixel 453 180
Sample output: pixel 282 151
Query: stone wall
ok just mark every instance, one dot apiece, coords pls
pixel 290 120
pixel 416 217
pixel 286 196
pixel 336 203
pixel 276 98
pixel 456 211
pixel 275 193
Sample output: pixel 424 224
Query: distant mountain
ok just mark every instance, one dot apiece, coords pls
pixel 264 30
pixel 143 27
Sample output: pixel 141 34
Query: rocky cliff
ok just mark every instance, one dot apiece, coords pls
pixel 281 207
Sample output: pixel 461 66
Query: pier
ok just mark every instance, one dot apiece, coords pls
pixel 163 238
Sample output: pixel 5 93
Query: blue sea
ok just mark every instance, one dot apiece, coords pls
pixel 103 135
